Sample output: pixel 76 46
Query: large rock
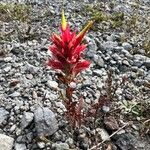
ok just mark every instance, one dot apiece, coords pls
pixel 3 115
pixel 6 142
pixel 45 121
pixel 125 141
pixel 111 123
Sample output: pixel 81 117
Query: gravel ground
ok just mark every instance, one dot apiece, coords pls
pixel 30 103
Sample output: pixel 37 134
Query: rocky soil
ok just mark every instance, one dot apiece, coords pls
pixel 31 108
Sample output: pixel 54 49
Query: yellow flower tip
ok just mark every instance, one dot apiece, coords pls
pixel 86 28
pixel 63 21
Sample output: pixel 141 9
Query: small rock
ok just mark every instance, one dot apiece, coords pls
pixel 121 131
pixel 12 128
pixel 8 59
pixel 3 115
pixel 103 133
pixel 41 144
pixel 21 139
pixel 127 46
pixel 111 123
pixel 98 72
pixel 140 60
pixel 6 142
pixel 99 61
pixel 116 57
pixel 109 45
pixel 92 47
pixel 73 85
pixel 29 76
pixel 16 50
pixel 113 62
pixel 29 136
pixel 18 131
pixel 7 69
pixel 26 119
pixel 15 94
pixel 88 100
pixel 20 146
pixel 92 44
pixel 52 84
pixel 148 77
pixel 127 54
pixel 34 95
pixel 105 109
pixel 32 69
pixel 14 82
pixel 69 141
pixel 60 105
pixel 128 95
pixel 125 62
pixel 45 121
pixel 147 62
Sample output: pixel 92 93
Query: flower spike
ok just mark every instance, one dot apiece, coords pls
pixel 63 21
pixel 67 50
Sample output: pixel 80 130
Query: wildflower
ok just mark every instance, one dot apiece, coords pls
pixel 67 48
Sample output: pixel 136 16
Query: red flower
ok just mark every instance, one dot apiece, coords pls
pixel 67 48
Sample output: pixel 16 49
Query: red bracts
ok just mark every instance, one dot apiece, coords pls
pixel 67 48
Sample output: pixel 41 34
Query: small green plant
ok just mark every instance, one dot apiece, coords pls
pixel 117 19
pixel 18 12
pixel 130 107
pixel 95 14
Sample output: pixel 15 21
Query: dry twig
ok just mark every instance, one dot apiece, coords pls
pixel 96 146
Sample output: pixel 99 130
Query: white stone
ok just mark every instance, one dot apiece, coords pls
pixel 7 59
pixel 106 109
pixel 7 69
pixel 41 144
pixel 60 105
pixel 103 133
pixel 13 128
pixel 6 142
pixel 52 84
pixel 15 94
pixel 20 146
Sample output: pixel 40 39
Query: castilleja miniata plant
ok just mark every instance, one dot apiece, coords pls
pixel 66 52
